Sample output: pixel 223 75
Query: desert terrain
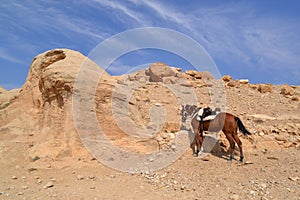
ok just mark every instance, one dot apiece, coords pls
pixel 50 148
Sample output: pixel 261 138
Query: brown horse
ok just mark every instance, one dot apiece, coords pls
pixel 226 122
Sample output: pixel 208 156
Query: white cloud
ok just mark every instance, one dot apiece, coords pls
pixel 8 57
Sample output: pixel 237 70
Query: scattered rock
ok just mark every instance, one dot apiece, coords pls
pixel 295 179
pixel 261 133
pixel 49 185
pixel 205 75
pixel 295 98
pixel 264 88
pixel 243 81
pixel 227 78
pixel 20 193
pixel 281 138
pixel 157 71
pixel 24 187
pixel 287 90
pixel 231 84
pixel 235 197
pixel 79 177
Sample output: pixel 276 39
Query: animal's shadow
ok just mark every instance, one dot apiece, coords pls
pixel 211 144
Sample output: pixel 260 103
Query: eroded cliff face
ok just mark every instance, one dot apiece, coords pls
pixel 42 108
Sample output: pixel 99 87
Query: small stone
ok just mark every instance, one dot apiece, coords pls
pixel 24 187
pixel 14 177
pixel 20 193
pixel 172 136
pixel 173 146
pixel 164 135
pixel 261 133
pixel 183 187
pixel 227 78
pixel 48 166
pixel 244 81
pixel 92 187
pixel 294 178
pixel 235 197
pixel 278 138
pixel 79 177
pixel 263 185
pixel 49 185
pixel 288 144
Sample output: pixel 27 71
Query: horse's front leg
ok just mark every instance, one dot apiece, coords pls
pixel 199 142
pixel 194 145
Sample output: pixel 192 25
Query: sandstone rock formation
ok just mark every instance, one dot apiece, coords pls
pixel 227 78
pixel 287 90
pixel 264 88
pixel 158 71
pixel 42 109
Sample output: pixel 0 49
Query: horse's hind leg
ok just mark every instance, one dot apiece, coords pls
pixel 239 143
pixel 232 146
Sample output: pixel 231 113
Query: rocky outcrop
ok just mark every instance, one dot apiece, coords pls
pixel 199 75
pixel 43 106
pixel 158 71
pixel 264 88
pixel 227 78
pixel 287 90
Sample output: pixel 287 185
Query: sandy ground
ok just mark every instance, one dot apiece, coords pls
pixel 265 174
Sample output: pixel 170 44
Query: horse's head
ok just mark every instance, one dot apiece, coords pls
pixel 187 111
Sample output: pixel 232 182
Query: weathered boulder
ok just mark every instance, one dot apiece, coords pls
pixel 243 81
pixel 157 71
pixel 205 75
pixel 231 84
pixel 227 78
pixel 264 88
pixel 287 90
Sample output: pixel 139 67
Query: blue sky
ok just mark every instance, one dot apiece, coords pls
pixel 258 40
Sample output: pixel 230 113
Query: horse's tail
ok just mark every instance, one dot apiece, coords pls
pixel 242 127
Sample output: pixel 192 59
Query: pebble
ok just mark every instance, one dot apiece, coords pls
pixel 79 177
pixel 49 185
pixel 235 197
pixel 24 187
pixel 261 133
pixel 14 177
pixel 294 178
